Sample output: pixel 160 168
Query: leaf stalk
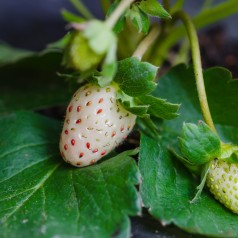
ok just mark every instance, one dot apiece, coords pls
pixel 196 57
pixel 146 42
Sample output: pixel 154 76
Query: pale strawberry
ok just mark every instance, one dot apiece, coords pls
pixel 95 124
pixel 222 180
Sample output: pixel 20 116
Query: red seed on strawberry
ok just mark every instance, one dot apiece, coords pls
pixel 100 123
pixel 70 108
pixel 73 142
pixel 78 121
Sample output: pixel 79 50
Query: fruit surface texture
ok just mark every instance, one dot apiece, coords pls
pixel 222 181
pixel 95 124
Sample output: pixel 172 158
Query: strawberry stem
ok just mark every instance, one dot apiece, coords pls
pixel 196 57
pixel 146 42
pixel 116 14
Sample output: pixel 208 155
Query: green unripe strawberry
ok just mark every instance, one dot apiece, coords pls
pixel 79 55
pixel 222 180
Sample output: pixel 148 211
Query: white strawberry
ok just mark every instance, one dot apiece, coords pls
pixel 222 180
pixel 95 124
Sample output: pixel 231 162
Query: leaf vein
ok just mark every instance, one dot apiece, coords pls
pixel 23 147
pixel 45 158
pixel 35 189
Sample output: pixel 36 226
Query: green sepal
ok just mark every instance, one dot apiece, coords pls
pixel 198 170
pixel 199 144
pixel 195 169
pixel 95 45
pixel 131 105
pixel 203 179
pixel 100 37
pixel 135 78
pixel 139 19
pixel 71 17
pixel 153 8
pixel 60 44
pixel 160 107
pixel 229 153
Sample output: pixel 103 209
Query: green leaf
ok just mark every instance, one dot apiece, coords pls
pixel 32 83
pixel 122 20
pixel 199 144
pixel 71 17
pixel 139 19
pixel 178 85
pixel 153 8
pixel 165 179
pixel 59 44
pixel 130 104
pixel 167 189
pixel 11 55
pixel 41 196
pixel 135 78
pixel 159 107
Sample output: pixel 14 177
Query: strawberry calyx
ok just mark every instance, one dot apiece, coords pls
pixel 229 153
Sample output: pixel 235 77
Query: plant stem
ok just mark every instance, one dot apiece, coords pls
pixel 146 42
pixel 116 14
pixel 83 10
pixel 204 18
pixel 196 57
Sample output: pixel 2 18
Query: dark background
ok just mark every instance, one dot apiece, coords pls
pixel 33 24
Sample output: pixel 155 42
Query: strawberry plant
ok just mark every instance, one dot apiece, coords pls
pixel 97 126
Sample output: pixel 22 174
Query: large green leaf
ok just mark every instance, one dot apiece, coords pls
pixel 32 83
pixel 41 196
pixel 178 86
pixel 167 186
